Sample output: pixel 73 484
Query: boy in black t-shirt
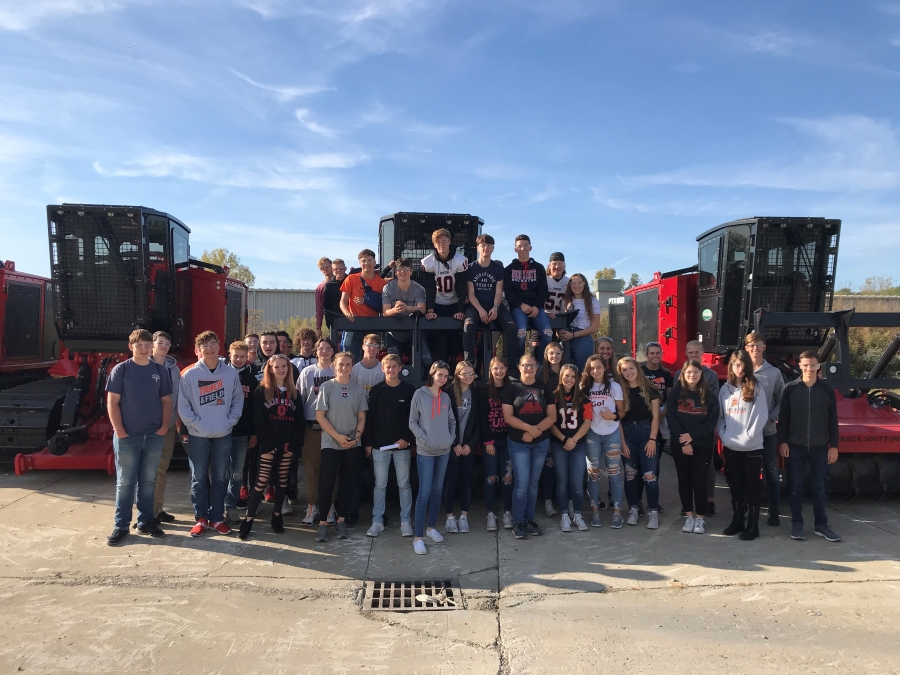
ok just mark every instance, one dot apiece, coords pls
pixel 486 308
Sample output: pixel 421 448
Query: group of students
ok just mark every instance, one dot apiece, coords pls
pixel 542 425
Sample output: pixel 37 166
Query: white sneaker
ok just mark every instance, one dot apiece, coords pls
pixel 375 530
pixel 688 524
pixel 699 526
pixel 571 510
pixel 434 535
pixel 548 508
pixel 653 521
pixel 419 547
pixel 579 522
pixel 491 522
pixel 451 525
pixel 312 515
pixel 507 520
pixel 332 515
pixel 406 529
pixel 463 523
pixel 286 508
pixel 564 523
pixel 632 516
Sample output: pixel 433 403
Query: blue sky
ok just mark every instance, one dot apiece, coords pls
pixel 613 131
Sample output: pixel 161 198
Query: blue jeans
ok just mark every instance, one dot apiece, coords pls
pixel 239 445
pixel 137 461
pixel 210 460
pixel 431 487
pixel 496 466
pixel 394 346
pixel 582 347
pixel 569 466
pixel 770 469
pixel 639 465
pixel 381 459
pixel 606 449
pixel 541 323
pixel 817 460
pixel 527 461
pixel 352 342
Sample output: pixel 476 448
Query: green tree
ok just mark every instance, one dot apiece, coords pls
pixel 606 273
pixel 634 280
pixel 225 258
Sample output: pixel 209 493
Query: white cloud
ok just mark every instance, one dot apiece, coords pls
pixel 303 116
pixel 283 94
pixel 542 196
pixel 20 15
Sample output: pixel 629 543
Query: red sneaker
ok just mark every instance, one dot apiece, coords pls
pixel 270 494
pixel 222 527
pixel 245 493
pixel 201 527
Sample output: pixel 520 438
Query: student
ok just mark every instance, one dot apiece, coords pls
pixel 808 436
pixel 433 423
pixel 659 376
pixel 694 352
pixel 252 340
pixel 496 453
pixel 160 354
pixel 285 345
pixel 139 402
pixel 567 443
pixel 458 480
pixel 310 380
pixel 358 293
pixel 603 346
pixel 640 429
pixel 242 436
pixel 580 333
pixel 529 408
pixel 557 281
pixel 268 346
pixel 486 307
pixel 743 413
pixel 403 297
pixel 548 374
pixel 693 413
pixel 210 403
pixel 445 280
pixel 278 420
pixel 324 266
pixel 368 372
pixel 341 412
pixel 388 437
pixel 772 382
pixel 305 346
pixel 331 297
pixel 525 286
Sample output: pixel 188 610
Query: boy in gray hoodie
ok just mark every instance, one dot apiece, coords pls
pixel 743 413
pixel 210 403
pixel 772 382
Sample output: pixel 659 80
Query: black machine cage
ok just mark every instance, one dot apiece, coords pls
pixel 408 235
pixel 772 263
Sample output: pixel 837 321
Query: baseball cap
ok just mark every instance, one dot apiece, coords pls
pixel 557 257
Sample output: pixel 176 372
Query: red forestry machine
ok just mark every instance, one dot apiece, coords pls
pixel 114 269
pixel 775 275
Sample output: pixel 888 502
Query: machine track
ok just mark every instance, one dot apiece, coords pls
pixel 30 414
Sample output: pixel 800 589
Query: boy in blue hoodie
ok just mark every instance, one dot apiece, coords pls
pixel 210 403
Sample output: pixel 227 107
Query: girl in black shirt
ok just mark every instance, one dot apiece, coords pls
pixel 493 435
pixel 574 415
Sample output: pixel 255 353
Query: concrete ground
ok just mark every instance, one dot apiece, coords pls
pixel 619 601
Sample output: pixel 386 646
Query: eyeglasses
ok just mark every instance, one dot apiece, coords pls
pixel 209 345
pixel 440 364
pixel 467 373
pixel 372 344
pixel 528 366
pixel 755 345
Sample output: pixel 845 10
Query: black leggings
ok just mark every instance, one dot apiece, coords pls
pixel 341 467
pixel 743 470
pixel 267 461
pixel 458 481
pixel 472 325
pixel 444 345
pixel 692 470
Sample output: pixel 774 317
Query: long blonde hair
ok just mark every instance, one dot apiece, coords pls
pixel 270 382
pixel 457 380
pixel 643 384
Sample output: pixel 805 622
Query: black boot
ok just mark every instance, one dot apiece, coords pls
pixel 277 524
pixel 737 520
pixel 774 519
pixel 752 530
pixel 246 526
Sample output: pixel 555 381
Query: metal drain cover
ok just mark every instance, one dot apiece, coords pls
pixel 408 596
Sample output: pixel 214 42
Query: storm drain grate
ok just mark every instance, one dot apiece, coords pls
pixel 407 596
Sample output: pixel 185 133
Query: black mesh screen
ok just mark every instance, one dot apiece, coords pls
pixel 233 323
pixel 647 317
pixel 794 272
pixel 97 264
pixel 620 326
pixel 22 331
pixel 411 235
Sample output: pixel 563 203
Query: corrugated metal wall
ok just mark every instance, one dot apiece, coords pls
pixel 281 304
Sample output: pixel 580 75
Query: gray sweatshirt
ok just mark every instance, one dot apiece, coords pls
pixel 210 402
pixel 773 384
pixel 741 422
pixel 432 422
pixel 175 376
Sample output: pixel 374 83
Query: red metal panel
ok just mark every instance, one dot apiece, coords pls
pixel 677 317
pixel 207 308
pixel 867 429
pixel 8 274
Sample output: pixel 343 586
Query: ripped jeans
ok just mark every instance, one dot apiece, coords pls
pixel 636 436
pixel 541 323
pixel 497 469
pixel 609 448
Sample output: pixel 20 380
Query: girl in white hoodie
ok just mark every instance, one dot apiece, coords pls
pixel 743 412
